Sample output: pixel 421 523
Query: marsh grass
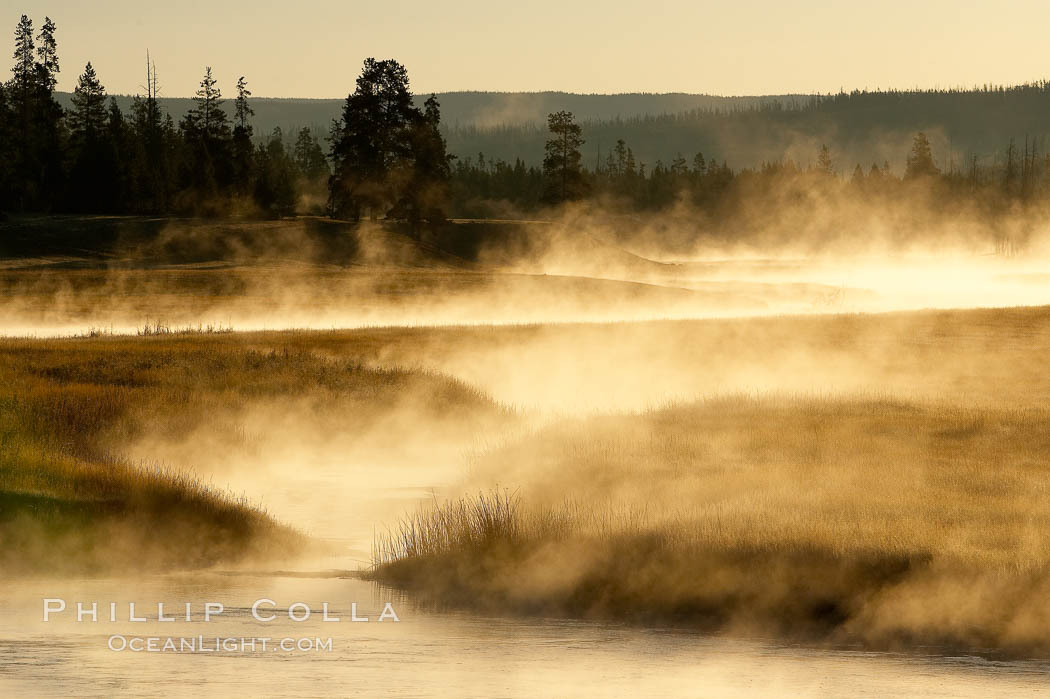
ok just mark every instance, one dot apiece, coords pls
pixel 70 499
pixel 489 522
pixel 158 328
pixel 886 518
pixel 876 520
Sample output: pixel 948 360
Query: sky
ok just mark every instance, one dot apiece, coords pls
pixel 314 48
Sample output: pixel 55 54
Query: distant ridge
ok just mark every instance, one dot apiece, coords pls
pixel 859 127
pixel 481 109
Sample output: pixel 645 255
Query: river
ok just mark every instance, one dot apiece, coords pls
pixel 425 653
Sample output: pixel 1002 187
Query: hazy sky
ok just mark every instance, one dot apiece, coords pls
pixel 314 48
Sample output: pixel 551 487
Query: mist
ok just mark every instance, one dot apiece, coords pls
pixel 787 402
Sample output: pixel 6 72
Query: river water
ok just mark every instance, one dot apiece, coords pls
pixel 425 653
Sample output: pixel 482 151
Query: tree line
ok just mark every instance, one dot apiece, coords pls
pixel 387 158
pixel 961 124
pixel 485 186
pixel 94 158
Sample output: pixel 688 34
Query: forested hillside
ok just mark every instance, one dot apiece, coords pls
pixel 858 127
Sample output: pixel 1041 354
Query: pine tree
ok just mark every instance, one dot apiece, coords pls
pixel 372 143
pixel 6 152
pixel 243 110
pixel 25 67
pixel 920 159
pixel 91 176
pixel 309 156
pixel 699 164
pixel 825 166
pixel 49 117
pixel 37 156
pixel 207 119
pixel 47 55
pixel 207 166
pixel 87 120
pixel 620 153
pixel 679 166
pixel 562 171
pixel 275 192
pixel 424 197
pixel 857 180
pixel 23 93
pixel 243 150
pixel 113 168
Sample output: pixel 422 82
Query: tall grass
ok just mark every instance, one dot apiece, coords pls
pixel 488 523
pixel 465 524
pixel 70 498
pixel 149 329
pixel 845 520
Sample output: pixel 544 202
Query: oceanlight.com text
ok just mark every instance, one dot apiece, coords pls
pixel 217 644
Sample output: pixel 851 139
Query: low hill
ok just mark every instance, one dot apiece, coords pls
pixel 859 127
pixel 480 109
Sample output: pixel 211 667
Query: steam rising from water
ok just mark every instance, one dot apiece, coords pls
pixel 46 302
pixel 339 471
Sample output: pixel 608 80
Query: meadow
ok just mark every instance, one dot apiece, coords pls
pixel 840 477
pixel 867 520
pixel 72 497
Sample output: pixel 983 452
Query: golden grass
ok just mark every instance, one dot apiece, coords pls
pixel 71 500
pixel 917 514
pixel 865 519
pixel 979 358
